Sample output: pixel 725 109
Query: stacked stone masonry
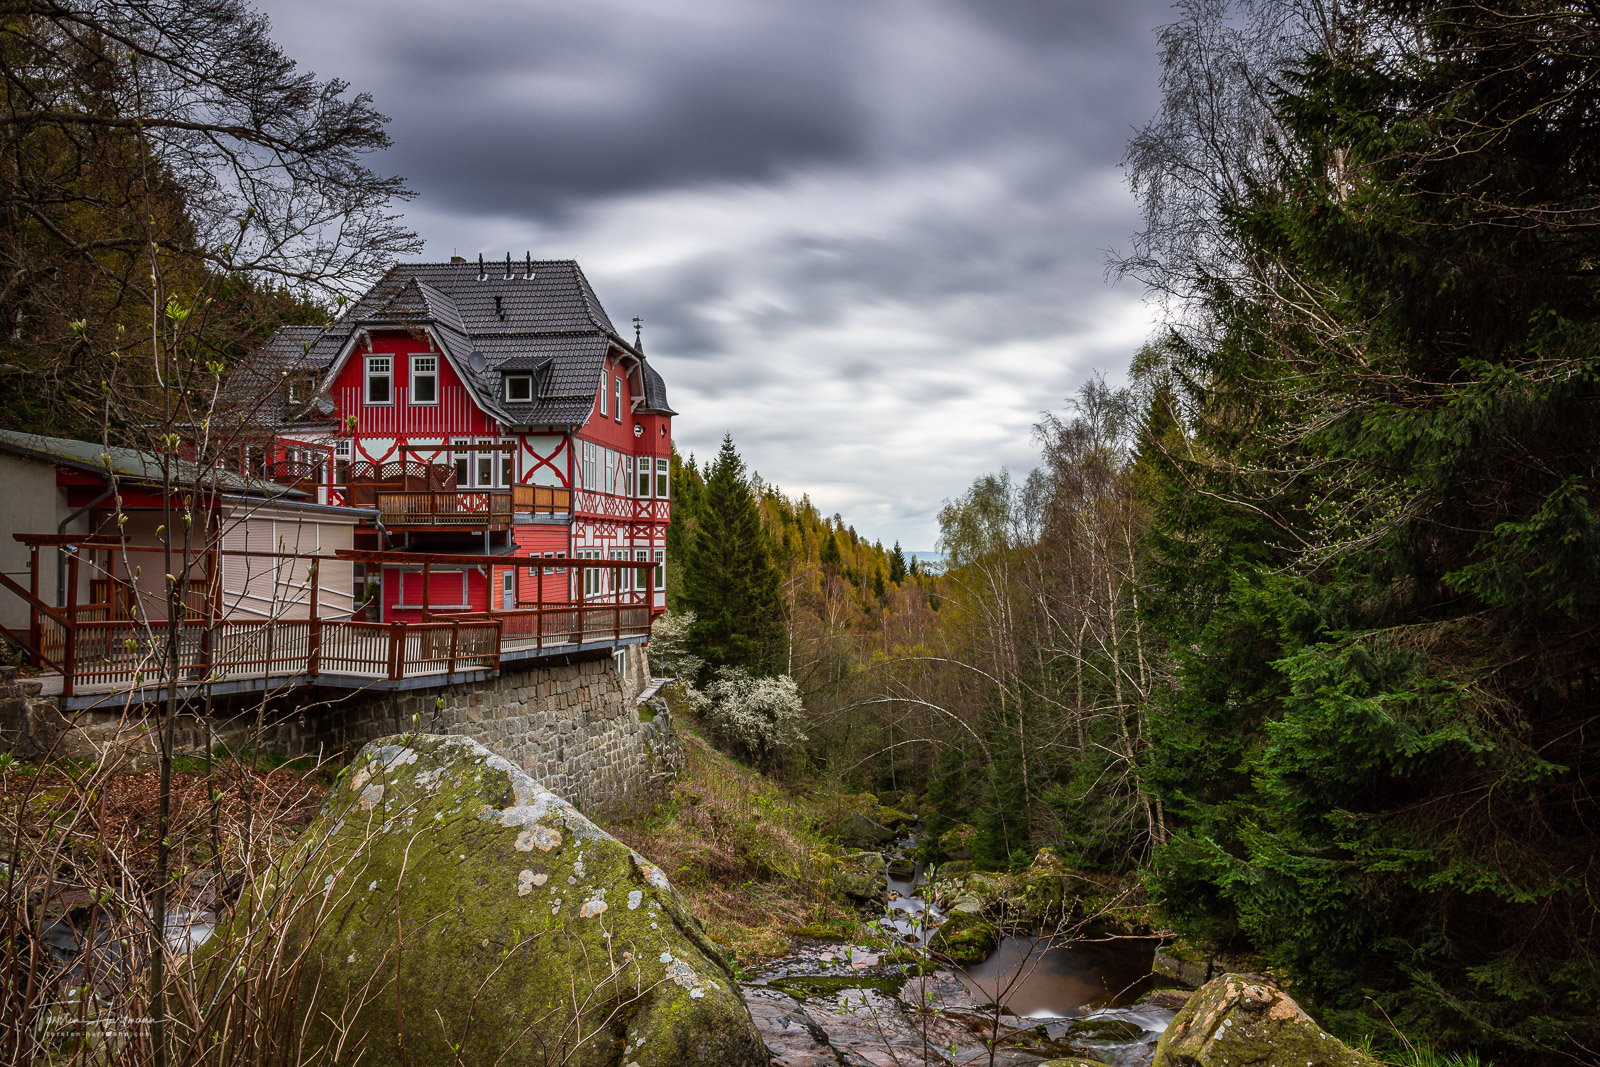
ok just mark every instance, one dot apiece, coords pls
pixel 575 727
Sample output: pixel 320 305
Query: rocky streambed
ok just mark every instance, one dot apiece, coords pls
pixel 1033 992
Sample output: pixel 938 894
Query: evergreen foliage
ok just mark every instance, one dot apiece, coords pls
pixel 729 579
pixel 1374 553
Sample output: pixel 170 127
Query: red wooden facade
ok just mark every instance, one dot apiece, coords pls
pixel 512 458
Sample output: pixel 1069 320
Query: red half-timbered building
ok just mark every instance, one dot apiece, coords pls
pixel 490 410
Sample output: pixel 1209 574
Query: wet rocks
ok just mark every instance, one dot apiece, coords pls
pixel 1240 1021
pixel 861 876
pixel 965 936
pixel 500 923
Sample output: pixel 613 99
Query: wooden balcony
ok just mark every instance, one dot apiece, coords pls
pixel 472 509
pixel 542 499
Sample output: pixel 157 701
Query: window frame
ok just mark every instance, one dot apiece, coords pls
pixel 524 380
pixel 431 375
pixel 617 388
pixel 663 481
pixel 370 374
pixel 604 390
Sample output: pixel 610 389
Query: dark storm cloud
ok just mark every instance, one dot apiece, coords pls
pixel 865 235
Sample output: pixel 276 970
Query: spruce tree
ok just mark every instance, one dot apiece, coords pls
pixel 897 565
pixel 729 579
pixel 1375 555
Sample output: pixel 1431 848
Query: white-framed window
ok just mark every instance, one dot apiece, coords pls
pixel 549 555
pixel 616 384
pixel 611 470
pixel 603 391
pixel 627 475
pixel 483 468
pixel 642 576
pixel 461 456
pixel 508 464
pixel 645 479
pixel 590 467
pixel 662 466
pixel 380 380
pixel 661 568
pixel 593 579
pixel 341 461
pixel 519 388
pixel 508 589
pixel 424 379
pixel 624 575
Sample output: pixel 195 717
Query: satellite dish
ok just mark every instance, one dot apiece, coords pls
pixel 478 362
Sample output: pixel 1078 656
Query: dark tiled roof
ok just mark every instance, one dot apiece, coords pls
pixel 552 323
pixel 655 392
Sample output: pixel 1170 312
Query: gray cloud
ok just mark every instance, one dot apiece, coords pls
pixel 865 236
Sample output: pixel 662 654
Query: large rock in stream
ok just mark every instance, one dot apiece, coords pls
pixel 1238 1020
pixel 452 889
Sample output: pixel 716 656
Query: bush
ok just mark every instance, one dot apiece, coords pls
pixel 669 646
pixel 759 716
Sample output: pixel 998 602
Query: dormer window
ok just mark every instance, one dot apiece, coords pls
pixel 519 388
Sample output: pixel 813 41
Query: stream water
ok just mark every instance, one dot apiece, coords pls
pixel 827 1003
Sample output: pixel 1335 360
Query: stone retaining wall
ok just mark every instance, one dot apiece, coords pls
pixel 574 726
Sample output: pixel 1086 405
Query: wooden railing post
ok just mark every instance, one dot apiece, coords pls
pixel 427 591
pixel 538 618
pixel 397 643
pixel 69 658
pixel 455 646
pixel 314 638
pixel 33 606
pixel 577 636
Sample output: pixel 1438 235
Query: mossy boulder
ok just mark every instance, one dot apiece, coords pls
pixel 956 842
pixel 895 819
pixel 965 936
pixel 1104 1030
pixel 859 830
pixel 1240 1021
pixel 1074 1061
pixel 861 876
pixel 442 884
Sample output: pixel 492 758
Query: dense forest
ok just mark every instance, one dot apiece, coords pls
pixel 1298 626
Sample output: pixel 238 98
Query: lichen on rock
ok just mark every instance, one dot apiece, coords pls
pixel 1238 1020
pixel 462 901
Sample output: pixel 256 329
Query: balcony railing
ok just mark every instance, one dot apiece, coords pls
pixel 106 644
pixel 479 508
pixel 542 499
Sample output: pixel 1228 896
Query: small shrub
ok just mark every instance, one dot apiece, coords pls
pixel 669 646
pixel 760 716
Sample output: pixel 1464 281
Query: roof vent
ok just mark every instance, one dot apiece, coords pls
pixel 483 273
pixel 508 267
pixel 529 275
pixel 499 312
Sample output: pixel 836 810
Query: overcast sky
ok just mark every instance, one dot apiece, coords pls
pixel 867 237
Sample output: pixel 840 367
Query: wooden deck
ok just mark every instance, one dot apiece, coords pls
pixel 117 646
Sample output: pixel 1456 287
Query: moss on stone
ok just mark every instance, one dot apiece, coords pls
pixel 439 883
pixel 1238 1021
pixel 965 937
